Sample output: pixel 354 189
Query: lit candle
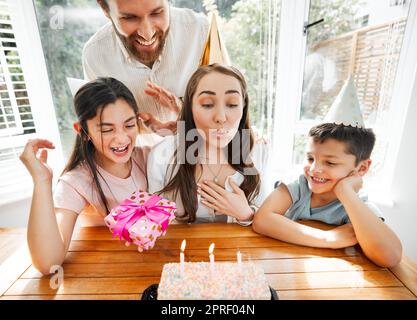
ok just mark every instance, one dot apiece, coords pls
pixel 211 248
pixel 182 257
pixel 239 259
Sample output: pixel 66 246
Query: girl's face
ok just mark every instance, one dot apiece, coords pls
pixel 114 132
pixel 218 108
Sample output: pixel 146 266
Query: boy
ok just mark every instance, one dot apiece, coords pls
pixel 337 158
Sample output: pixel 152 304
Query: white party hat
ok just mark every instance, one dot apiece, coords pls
pixel 345 108
pixel 214 50
pixel 75 84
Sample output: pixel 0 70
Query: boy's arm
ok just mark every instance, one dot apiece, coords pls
pixel 377 240
pixel 270 221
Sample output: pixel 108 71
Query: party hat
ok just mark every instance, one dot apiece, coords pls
pixel 345 108
pixel 75 84
pixel 214 50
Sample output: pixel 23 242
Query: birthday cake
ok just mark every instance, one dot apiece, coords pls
pixel 222 281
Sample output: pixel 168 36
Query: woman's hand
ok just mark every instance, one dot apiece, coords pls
pixel 232 204
pixel 37 166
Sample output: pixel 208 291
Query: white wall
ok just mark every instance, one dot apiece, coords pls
pixel 15 214
pixel 402 217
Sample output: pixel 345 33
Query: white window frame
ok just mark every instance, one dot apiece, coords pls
pixel 39 92
pixel 291 58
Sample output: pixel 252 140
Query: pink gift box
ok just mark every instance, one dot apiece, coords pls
pixel 141 219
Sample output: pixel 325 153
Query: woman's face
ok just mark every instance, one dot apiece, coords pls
pixel 114 133
pixel 217 108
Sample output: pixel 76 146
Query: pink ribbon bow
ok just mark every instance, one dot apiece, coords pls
pixel 132 212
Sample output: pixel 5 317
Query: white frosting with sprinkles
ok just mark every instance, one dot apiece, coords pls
pixel 229 281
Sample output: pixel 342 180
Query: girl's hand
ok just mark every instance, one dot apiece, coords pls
pixel 341 237
pixel 233 204
pixel 37 166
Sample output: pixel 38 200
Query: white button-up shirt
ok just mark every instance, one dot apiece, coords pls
pixel 104 55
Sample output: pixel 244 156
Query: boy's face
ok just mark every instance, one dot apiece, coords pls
pixel 327 163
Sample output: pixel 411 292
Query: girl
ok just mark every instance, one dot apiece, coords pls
pixel 205 168
pixel 104 168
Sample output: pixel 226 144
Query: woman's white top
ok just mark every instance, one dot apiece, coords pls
pixel 160 166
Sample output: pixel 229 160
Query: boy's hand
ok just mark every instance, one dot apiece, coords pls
pixel 352 182
pixel 341 237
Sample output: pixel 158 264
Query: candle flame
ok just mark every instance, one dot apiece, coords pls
pixel 211 248
pixel 183 245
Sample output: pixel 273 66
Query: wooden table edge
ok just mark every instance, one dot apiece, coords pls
pixel 406 272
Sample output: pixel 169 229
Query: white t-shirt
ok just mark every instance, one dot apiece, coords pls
pixel 160 168
pixel 105 56
pixel 76 191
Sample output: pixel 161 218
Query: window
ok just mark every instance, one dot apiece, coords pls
pixel 64 27
pixel 331 51
pixel 23 97
pixel 250 29
pixel 335 50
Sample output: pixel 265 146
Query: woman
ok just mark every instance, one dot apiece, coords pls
pixel 206 168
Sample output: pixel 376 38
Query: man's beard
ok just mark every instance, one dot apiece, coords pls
pixel 143 56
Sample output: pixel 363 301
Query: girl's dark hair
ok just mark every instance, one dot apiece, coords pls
pixel 184 181
pixel 90 100
pixel 359 141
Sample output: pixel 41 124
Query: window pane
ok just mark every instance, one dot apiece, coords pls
pixel 64 27
pixel 300 143
pixel 250 29
pixel 361 38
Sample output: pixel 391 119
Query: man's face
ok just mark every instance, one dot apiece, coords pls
pixel 142 26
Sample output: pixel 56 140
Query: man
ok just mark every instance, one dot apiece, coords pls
pixel 152 48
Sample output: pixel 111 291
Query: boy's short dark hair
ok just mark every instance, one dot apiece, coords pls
pixel 359 141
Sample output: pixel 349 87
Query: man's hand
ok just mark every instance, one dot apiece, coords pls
pixel 161 128
pixel 167 100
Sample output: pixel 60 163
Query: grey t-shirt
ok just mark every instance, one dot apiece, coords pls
pixel 333 213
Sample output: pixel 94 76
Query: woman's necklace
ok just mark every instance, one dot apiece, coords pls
pixel 215 179
pixel 215 176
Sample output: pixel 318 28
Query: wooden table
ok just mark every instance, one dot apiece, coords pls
pixel 99 267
